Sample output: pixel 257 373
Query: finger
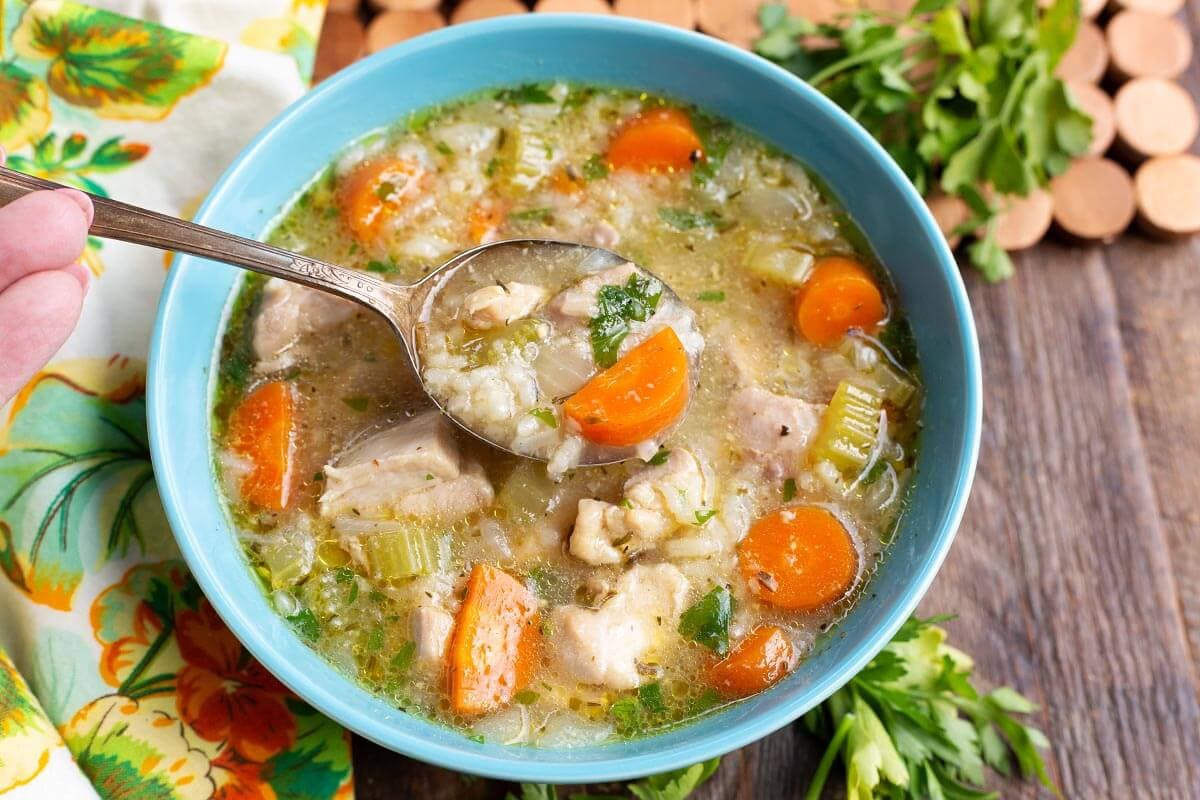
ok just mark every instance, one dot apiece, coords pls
pixel 82 200
pixel 37 314
pixel 42 230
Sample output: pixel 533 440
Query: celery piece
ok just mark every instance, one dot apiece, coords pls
pixel 492 347
pixel 286 562
pixel 527 155
pixel 897 389
pixel 523 495
pixel 401 554
pixel 849 429
pixel 779 263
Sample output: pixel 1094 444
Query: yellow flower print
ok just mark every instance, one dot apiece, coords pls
pixel 24 107
pixel 26 736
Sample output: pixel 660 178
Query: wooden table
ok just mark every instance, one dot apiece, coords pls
pixel 1076 573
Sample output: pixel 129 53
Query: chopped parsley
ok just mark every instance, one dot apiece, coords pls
pixel 404 657
pixel 444 148
pixel 385 267
pixel 704 515
pixel 384 190
pixel 493 164
pixel 595 168
pixel 343 575
pixel 789 490
pixel 618 305
pixel 375 640
pixel 707 622
pixel 543 215
pixel 711 297
pixel 545 416
pixel 651 698
pixel 527 697
pixel 528 93
pixel 660 457
pixel 306 624
pixel 681 219
pixel 359 404
pixel 350 598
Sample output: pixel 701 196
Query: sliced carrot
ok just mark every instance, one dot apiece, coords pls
pixel 799 558
pixel 567 181
pixel 758 661
pixel 484 221
pixel 659 140
pixel 495 644
pixel 639 396
pixel 839 295
pixel 377 190
pixel 261 430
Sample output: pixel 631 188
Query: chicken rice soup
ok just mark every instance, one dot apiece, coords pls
pixel 771 408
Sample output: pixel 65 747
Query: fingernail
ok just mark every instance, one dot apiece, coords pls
pixel 84 202
pixel 81 274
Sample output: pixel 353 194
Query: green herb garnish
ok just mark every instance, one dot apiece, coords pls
pixel 375 640
pixel 306 624
pixel 350 598
pixel 789 490
pixel 545 416
pixel 527 697
pixel 404 657
pixel 660 457
pixel 444 148
pixel 385 267
pixel 384 190
pixel 618 305
pixel 343 575
pixel 493 164
pixel 359 404
pixel 681 219
pixel 528 93
pixel 962 95
pixel 651 698
pixel 707 622
pixel 711 297
pixel 543 215
pixel 595 168
pixel 704 515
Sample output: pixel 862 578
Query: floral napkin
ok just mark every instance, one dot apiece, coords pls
pixel 117 679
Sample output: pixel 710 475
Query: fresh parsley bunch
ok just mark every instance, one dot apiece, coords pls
pixel 911 725
pixel 675 785
pixel 962 95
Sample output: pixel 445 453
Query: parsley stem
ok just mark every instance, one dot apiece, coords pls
pixel 817 785
pixel 884 48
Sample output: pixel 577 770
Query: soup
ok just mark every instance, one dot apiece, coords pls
pixel 528 602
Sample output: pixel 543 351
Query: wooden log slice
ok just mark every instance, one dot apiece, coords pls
pixel 680 13
pixel 405 5
pixel 1168 195
pixel 1154 117
pixel 469 10
pixel 949 212
pixel 392 27
pixel 573 7
pixel 1099 106
pixel 342 42
pixel 1087 59
pixel 1093 200
pixel 1142 44
pixel 1024 220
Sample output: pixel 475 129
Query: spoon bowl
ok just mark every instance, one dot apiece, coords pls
pixel 403 306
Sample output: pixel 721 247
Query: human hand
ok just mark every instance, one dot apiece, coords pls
pixel 42 283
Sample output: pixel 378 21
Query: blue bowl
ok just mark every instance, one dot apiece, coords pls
pixel 453 62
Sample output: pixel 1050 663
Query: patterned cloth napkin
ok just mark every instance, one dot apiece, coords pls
pixel 117 679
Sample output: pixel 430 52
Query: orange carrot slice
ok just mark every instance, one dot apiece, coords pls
pixel 839 295
pixel 659 140
pixel 800 558
pixel 260 430
pixel 494 648
pixel 484 221
pixel 375 191
pixel 567 181
pixel 638 397
pixel 758 661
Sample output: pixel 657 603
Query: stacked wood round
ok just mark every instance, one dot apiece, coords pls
pixel 1120 70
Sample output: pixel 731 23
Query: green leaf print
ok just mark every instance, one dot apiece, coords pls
pixel 24 107
pixel 26 736
pixel 316 765
pixel 131 752
pixel 117 67
pixel 76 488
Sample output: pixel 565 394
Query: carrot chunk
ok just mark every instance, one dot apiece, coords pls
pixel 636 398
pixel 758 661
pixel 484 221
pixel 660 140
pixel 799 558
pixel 377 190
pixel 839 295
pixel 260 430
pixel 494 647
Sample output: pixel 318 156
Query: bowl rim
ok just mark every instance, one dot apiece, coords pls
pixel 172 480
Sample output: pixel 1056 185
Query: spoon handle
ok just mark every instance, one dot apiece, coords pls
pixel 116 220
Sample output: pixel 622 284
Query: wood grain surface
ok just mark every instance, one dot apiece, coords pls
pixel 1076 573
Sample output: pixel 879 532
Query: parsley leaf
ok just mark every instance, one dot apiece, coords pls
pixel 962 95
pixel 528 93
pixel 703 515
pixel 789 490
pixel 707 622
pixel 650 696
pixel 617 306
pixel 711 297
pixel 681 219
pixel 306 624
pixel 343 575
pixel 386 267
pixel 359 404
pixel 404 657
pixel 660 457
pixel 595 168
pixel 532 215
pixel 444 148
pixel 545 416
pixel 674 785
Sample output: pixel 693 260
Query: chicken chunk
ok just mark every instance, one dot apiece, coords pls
pixel 411 469
pixel 776 428
pixel 603 646
pixel 430 628
pixel 579 302
pixel 658 501
pixel 496 306
pixel 289 311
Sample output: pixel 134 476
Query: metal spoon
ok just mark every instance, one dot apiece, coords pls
pixel 403 307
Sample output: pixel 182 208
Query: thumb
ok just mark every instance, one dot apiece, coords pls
pixel 37 314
